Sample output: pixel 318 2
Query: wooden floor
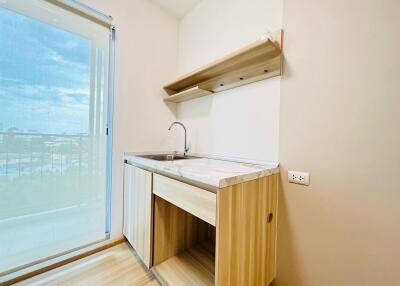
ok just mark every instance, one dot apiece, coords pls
pixel 116 266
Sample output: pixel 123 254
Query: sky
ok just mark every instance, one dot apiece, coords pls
pixel 44 77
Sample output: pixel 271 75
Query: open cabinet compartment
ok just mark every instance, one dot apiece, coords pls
pixel 184 246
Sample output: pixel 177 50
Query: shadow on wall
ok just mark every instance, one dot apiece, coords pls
pixel 286 257
pixel 172 107
pixel 196 108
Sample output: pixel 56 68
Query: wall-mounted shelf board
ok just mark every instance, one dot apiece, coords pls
pixel 188 94
pixel 258 61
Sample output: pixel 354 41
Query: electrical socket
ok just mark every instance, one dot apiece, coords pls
pixel 300 178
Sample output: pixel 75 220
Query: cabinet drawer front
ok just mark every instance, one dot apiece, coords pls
pixel 200 203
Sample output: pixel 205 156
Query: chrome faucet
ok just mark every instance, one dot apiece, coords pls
pixel 184 128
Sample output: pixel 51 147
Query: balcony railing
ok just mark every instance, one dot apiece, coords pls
pixel 35 153
pixel 43 172
pixel 52 190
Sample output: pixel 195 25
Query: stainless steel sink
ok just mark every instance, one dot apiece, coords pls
pixel 166 157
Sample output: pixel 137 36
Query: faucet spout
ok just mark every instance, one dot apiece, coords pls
pixel 186 148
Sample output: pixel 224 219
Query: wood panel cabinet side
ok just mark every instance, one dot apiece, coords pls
pixel 137 224
pixel 273 235
pixel 245 246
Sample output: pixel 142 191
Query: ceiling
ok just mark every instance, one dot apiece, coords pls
pixel 178 8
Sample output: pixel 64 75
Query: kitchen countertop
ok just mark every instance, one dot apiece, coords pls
pixel 218 172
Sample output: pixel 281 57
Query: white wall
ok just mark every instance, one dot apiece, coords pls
pixel 146 57
pixel 340 86
pixel 340 121
pixel 241 122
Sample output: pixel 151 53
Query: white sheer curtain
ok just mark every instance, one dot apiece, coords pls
pixel 53 145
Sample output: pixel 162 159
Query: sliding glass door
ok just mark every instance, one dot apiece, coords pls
pixel 53 123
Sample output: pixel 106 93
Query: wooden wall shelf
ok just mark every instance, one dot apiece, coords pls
pixel 188 94
pixel 258 61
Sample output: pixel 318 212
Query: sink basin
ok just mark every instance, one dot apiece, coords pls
pixel 166 157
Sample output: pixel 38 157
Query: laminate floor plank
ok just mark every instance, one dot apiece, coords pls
pixel 116 266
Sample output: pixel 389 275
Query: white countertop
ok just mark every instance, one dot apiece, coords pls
pixel 212 171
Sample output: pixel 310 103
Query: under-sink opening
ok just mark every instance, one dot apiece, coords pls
pixel 184 246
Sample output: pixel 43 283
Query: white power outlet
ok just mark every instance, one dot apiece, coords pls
pixel 301 178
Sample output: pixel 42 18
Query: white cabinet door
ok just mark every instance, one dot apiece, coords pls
pixel 138 210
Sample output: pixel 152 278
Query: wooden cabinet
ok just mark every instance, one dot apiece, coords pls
pixel 191 236
pixel 137 226
pixel 246 233
pixel 198 202
pixel 222 238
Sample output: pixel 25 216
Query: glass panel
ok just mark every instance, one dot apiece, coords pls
pixel 53 106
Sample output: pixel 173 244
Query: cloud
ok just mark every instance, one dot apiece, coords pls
pixel 46 109
pixel 10 80
pixel 71 91
pixel 41 54
pixel 42 93
pixel 44 76
pixel 56 57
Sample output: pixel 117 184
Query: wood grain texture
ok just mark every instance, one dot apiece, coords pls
pixel 191 93
pixel 204 253
pixel 258 61
pixel 175 230
pixel 27 273
pixel 272 227
pixel 245 239
pixel 116 266
pixel 198 202
pixel 137 226
pixel 185 269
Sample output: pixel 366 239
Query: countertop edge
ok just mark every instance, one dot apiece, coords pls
pixel 156 167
